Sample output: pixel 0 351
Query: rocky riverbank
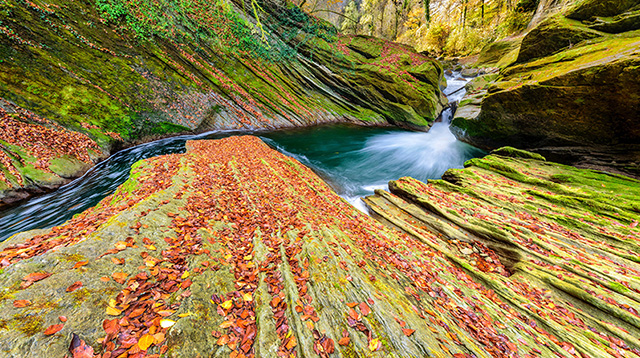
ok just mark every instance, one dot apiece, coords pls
pixel 111 75
pixel 233 249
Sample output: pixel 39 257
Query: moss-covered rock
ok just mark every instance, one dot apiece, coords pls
pixel 233 248
pixel 551 36
pixel 587 9
pixel 499 53
pixel 558 244
pixel 576 90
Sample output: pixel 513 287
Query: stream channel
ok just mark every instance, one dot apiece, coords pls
pixel 354 160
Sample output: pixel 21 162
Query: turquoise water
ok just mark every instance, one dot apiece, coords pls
pixel 354 160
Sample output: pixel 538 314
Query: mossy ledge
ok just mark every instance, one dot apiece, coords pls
pixel 235 249
pixel 559 245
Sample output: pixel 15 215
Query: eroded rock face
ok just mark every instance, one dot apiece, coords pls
pixel 233 249
pixel 119 75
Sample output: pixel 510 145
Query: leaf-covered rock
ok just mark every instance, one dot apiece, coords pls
pixel 233 249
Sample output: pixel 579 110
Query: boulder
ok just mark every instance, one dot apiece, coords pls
pixel 551 36
pixel 587 9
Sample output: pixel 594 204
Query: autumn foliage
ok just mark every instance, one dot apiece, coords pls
pixel 236 249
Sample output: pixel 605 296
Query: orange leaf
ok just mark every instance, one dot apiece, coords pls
pixel 74 286
pixel 223 340
pixel 80 264
pixel 364 308
pixel 119 277
pixel 291 343
pixel 21 303
pixel 408 332
pixel 36 276
pixel 352 304
pixel 111 326
pixel 145 342
pixel 53 329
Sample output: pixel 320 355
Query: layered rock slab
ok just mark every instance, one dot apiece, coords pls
pixel 233 249
pixel 557 244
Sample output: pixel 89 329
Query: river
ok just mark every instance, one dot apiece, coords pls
pixel 354 160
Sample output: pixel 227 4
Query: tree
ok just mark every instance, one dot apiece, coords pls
pixel 351 17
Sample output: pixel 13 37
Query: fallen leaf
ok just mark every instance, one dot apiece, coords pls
pixel 374 344
pixel 364 308
pixel 74 286
pixel 223 340
pixel 21 303
pixel 111 311
pixel 145 342
pixel 408 332
pixel 226 304
pixel 53 329
pixel 119 277
pixel 36 276
pixel 80 264
pixel 166 323
pixel 79 349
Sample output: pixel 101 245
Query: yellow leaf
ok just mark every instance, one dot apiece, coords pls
pixel 247 297
pixel 113 311
pixel 181 315
pixel 247 258
pixel 145 342
pixel 121 245
pixel 112 302
pixel 150 247
pixel 185 275
pixel 226 304
pixel 373 344
pixel 166 323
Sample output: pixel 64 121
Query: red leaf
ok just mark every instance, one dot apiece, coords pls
pixel 36 276
pixel 74 286
pixel 79 349
pixel 53 329
pixel 364 308
pixel 408 332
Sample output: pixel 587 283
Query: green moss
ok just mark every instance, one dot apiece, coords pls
pixel 80 295
pixel 29 325
pixel 618 287
pixel 75 257
pixel 517 153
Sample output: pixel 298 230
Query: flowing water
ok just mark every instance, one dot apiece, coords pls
pixel 353 160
